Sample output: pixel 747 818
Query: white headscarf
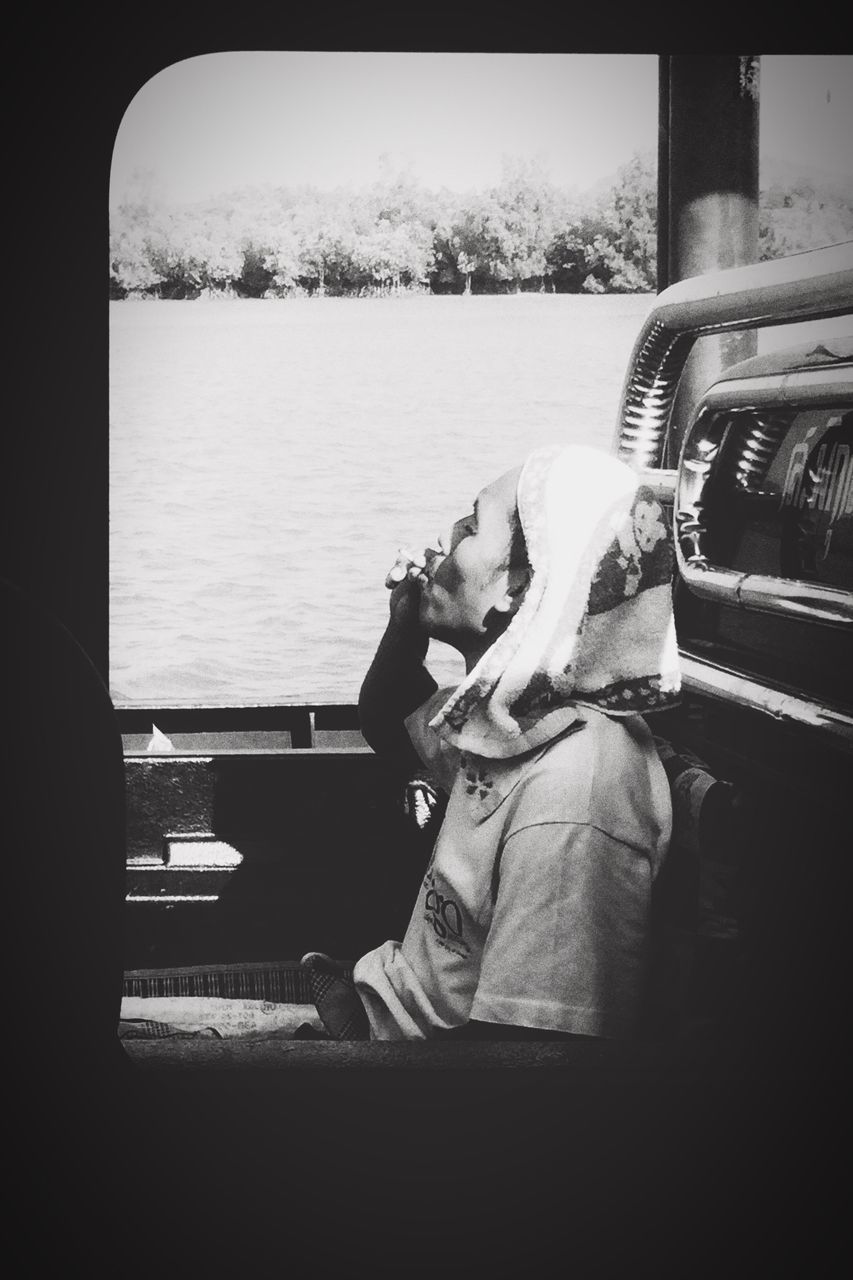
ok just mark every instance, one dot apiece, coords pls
pixel 595 626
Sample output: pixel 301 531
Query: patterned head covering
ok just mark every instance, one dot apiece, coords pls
pixel 595 626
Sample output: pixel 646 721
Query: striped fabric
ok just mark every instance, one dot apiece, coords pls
pixel 151 1029
pixel 280 981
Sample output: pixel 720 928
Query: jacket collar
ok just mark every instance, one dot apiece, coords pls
pixel 486 783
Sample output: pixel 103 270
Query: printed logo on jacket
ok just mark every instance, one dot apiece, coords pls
pixel 444 916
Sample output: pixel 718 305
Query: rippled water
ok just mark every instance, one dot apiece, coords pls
pixel 267 458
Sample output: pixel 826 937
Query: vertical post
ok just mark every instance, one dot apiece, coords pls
pixel 663 173
pixel 708 135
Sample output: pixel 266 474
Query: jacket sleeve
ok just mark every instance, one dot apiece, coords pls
pixel 566 948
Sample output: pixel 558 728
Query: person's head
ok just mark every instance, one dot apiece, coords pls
pixel 475 580
pixel 588 621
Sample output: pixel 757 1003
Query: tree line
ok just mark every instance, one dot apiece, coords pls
pixel 522 234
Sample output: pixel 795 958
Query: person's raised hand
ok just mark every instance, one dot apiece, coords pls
pixel 402 581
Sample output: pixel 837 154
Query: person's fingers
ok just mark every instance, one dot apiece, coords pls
pixel 408 563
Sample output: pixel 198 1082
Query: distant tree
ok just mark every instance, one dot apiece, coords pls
pixel 209 255
pixel 793 221
pixel 263 225
pixel 465 237
pixel 395 256
pixel 521 223
pixel 281 259
pixel 571 254
pixel 137 229
pixel 256 278
pixel 623 254
pixel 131 268
pixel 167 276
pixel 326 233
pixel 394 234
pixel 399 199
pixel 445 276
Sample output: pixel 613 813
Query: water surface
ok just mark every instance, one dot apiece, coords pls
pixel 268 457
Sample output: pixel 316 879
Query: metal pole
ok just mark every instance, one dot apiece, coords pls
pixel 663 173
pixel 710 141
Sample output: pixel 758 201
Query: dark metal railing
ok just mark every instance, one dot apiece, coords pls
pixel 300 719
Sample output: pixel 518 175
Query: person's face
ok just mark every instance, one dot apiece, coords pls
pixel 468 591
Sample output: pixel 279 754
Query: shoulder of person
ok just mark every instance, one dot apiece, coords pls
pixel 601 775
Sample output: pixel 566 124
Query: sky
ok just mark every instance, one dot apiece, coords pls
pixel 220 121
